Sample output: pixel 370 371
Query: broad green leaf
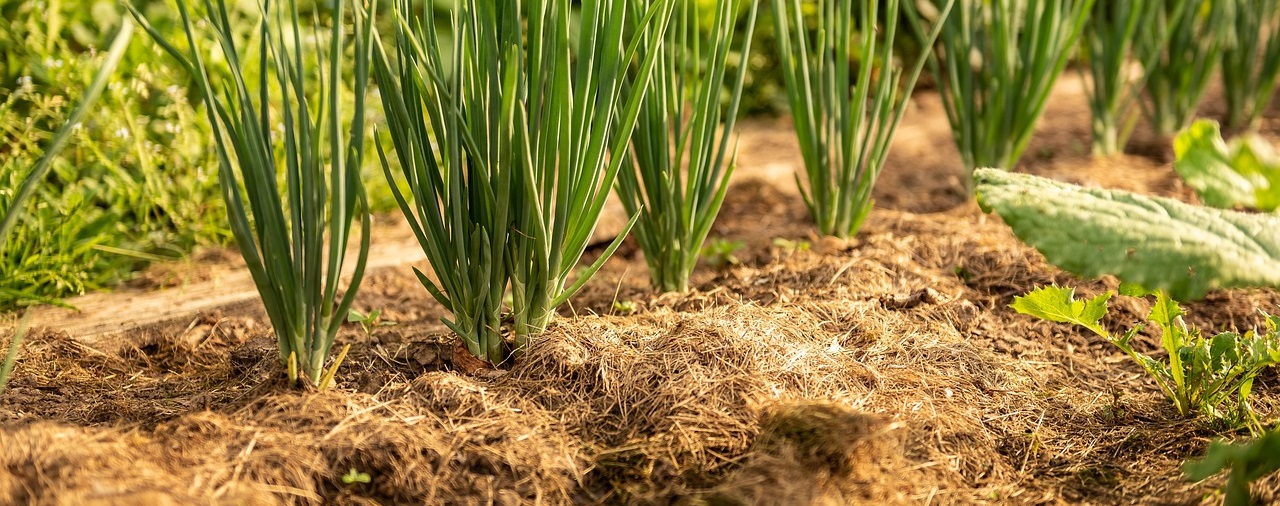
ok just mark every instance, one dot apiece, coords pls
pixel 1154 242
pixel 1244 172
pixel 1059 305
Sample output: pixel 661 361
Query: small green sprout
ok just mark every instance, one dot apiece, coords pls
pixel 791 246
pixel 624 307
pixel 354 476
pixel 369 322
pixel 720 253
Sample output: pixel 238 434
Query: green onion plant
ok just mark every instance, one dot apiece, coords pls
pixel 1116 78
pixel 1182 60
pixel 506 155
pixel 845 112
pixel 1251 62
pixel 295 244
pixel 996 63
pixel 678 171
pixel 32 180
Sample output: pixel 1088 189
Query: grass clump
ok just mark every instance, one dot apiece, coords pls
pixel 16 203
pixel 1251 62
pixel 996 63
pixel 295 244
pixel 131 186
pixel 845 112
pixel 680 163
pixel 506 155
pixel 1114 90
pixel 1181 60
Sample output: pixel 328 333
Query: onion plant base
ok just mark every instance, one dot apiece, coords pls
pixel 294 242
pixel 845 115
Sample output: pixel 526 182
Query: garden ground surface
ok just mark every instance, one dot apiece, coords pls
pixel 887 369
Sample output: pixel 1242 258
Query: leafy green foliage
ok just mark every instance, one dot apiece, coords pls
pixel 996 62
pixel 131 186
pixel 294 245
pixel 1108 46
pixel 15 208
pixel 1246 461
pixel 1181 59
pixel 845 115
pixel 1201 374
pixel 679 171
pixel 517 184
pixel 1244 172
pixel 1154 242
pixel 1251 61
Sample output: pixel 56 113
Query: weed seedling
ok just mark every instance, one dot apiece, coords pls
pixel 720 254
pixel 1201 373
pixel 624 307
pixel 791 246
pixel 354 476
pixel 370 322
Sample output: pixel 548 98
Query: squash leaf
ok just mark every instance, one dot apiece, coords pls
pixel 1158 243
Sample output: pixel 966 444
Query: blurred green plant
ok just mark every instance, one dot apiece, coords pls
pixel 1113 89
pixel 1246 461
pixel 845 115
pixel 294 245
pixel 355 476
pixel 11 353
pixel 1244 172
pixel 681 160
pixel 17 201
pixel 1181 60
pixel 139 183
pixel 1251 62
pixel 722 253
pixel 996 63
pixel 131 187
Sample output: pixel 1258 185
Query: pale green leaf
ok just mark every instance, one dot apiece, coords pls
pixel 1155 242
pixel 1244 172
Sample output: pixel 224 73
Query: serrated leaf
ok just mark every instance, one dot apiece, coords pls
pixel 1244 172
pixel 1155 242
pixel 1059 305
pixel 1134 290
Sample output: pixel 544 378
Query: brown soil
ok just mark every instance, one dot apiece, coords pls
pixel 886 369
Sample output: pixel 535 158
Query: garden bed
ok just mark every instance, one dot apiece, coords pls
pixel 887 368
